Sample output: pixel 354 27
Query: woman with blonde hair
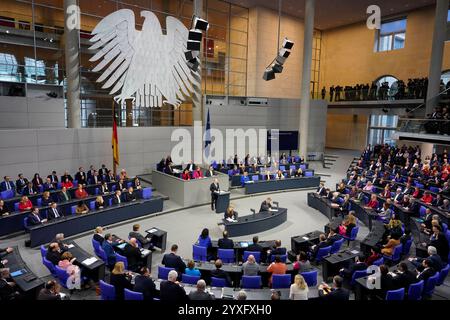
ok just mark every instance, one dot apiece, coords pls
pixel 99 203
pixel 348 224
pixel 74 279
pixel 299 289
pixel 120 279
pixel 46 199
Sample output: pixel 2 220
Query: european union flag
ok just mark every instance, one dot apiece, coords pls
pixel 207 136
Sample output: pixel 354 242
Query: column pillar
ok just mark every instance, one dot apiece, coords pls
pixel 72 62
pixel 437 53
pixel 197 99
pixel 306 77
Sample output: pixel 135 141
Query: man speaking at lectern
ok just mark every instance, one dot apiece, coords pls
pixel 214 187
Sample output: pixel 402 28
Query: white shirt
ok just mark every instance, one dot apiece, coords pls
pixel 296 293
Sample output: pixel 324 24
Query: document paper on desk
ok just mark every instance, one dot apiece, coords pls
pixel 70 246
pixel 152 230
pixel 89 261
pixel 354 251
pixel 273 210
pixel 305 238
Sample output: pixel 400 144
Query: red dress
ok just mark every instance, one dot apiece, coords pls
pixel 81 194
pixel 25 206
pixel 186 176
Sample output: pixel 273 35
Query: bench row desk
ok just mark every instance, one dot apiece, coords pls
pixel 14 222
pixel 281 184
pixel 28 283
pixel 255 223
pixel 75 224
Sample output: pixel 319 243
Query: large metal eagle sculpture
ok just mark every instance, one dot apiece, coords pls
pixel 146 66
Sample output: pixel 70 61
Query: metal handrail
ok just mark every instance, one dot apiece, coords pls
pixel 423 104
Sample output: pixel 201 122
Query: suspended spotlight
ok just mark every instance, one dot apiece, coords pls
pixel 269 74
pixel 284 53
pixel 195 35
pixel 287 44
pixel 193 64
pixel 199 23
pixel 281 60
pixel 189 55
pixel 277 68
pixel 194 42
pixel 193 45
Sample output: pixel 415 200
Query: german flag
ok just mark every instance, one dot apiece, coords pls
pixel 115 140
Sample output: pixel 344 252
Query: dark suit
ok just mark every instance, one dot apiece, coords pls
pixel 209 173
pixel 213 188
pixel 48 186
pixel 97 237
pixel 405 279
pixel 117 200
pixel 7 292
pixel 171 260
pixel 265 206
pixel 254 247
pixel 225 243
pixel 139 237
pixel 120 282
pixel 441 245
pixel 146 286
pixel 53 214
pixel 104 189
pixel 321 191
pixel 425 274
pixel 34 220
pixel 46 294
pixel 80 177
pixel 53 179
pixel 170 291
pixel 53 256
pixel 133 255
pixel 121 186
pixel 339 294
pixel 3 186
pixel 64 177
pixel 219 273
pixel 129 197
pixel 94 180
pixel 190 167
pixel 200 295
pixel 64 197
pixel 27 191
pixel 21 184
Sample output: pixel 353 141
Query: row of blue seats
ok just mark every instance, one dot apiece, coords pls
pixel 416 291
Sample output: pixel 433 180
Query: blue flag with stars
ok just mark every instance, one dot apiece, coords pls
pixel 207 136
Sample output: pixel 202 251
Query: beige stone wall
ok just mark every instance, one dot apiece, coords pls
pixel 262 40
pixel 346 131
pixel 348 55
